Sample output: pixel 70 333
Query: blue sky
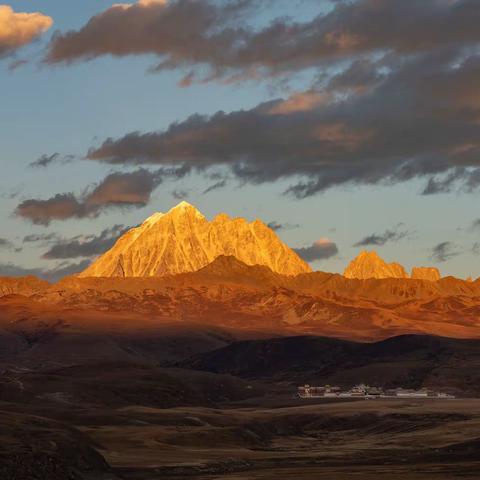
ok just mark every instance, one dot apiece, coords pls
pixel 70 108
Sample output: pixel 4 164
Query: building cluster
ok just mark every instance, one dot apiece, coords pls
pixel 367 392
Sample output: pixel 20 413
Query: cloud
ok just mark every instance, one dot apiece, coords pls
pixel 381 239
pixel 47 160
pixel 124 189
pixel 58 207
pixel 475 225
pixel 85 245
pixel 19 29
pixel 214 40
pixel 54 274
pixel 276 226
pixel 180 194
pixel 215 186
pixel 6 244
pixel 300 102
pixel 319 250
pixel 116 190
pixel 429 129
pixel 444 251
pixel 43 238
pixel 178 31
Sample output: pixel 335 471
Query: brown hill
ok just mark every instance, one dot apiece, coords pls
pixel 409 361
pixel 33 447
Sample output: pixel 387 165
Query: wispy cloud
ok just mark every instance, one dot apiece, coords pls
pixel 85 245
pixel 444 251
pixel 276 226
pixel 215 186
pixel 380 239
pixel 48 160
pixel 53 274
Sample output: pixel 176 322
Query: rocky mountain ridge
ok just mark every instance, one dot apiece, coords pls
pixel 230 294
pixel 371 265
pixel 183 240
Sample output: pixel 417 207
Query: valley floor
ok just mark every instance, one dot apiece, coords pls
pixel 421 439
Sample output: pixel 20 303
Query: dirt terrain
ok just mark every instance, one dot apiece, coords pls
pixel 194 376
pixel 356 439
pixel 144 418
pixel 229 294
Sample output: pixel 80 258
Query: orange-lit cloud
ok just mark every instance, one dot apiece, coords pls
pixel 341 134
pixel 19 29
pixel 301 102
pixel 141 3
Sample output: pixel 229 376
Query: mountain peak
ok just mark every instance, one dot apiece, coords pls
pixel 183 240
pixel 185 208
pixel 368 264
pixel 183 204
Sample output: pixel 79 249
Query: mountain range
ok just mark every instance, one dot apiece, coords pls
pixel 188 338
pixel 228 273
pixel 371 265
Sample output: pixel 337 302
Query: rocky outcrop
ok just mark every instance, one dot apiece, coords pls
pixel 370 265
pixel 426 273
pixel 183 240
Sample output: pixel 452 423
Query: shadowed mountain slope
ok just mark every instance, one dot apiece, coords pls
pixel 410 361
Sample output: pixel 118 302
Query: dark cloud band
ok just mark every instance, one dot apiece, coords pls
pixel 218 36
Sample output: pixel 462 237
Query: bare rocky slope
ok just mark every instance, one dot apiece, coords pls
pixel 229 294
pixel 370 265
pixel 183 240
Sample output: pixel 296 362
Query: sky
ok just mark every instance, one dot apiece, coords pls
pixel 345 125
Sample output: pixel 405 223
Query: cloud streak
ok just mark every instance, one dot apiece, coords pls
pixel 6 244
pixel 444 251
pixel 47 160
pixel 85 245
pixel 393 235
pixel 54 274
pixel 277 226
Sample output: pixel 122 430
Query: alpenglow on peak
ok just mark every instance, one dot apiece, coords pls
pixel 371 265
pixel 184 240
